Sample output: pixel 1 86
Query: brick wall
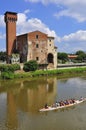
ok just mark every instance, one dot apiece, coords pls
pixel 10 19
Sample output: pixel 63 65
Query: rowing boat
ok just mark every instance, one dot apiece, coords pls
pixel 50 108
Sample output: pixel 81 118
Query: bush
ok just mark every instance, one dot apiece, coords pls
pixel 15 67
pixel 31 65
pixel 7 75
pixel 7 71
pixel 11 68
pixel 3 68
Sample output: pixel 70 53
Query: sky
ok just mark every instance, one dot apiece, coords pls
pixel 63 19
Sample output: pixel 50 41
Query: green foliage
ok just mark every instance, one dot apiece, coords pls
pixel 31 65
pixel 12 67
pixel 7 75
pixel 7 71
pixel 63 56
pixel 81 56
pixel 80 52
pixel 58 72
pixel 3 68
pixel 3 56
pixel 15 67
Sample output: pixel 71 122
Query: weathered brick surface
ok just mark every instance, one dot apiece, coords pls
pixel 10 19
pixel 37 46
pixel 33 45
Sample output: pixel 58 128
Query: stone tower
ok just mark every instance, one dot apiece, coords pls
pixel 10 19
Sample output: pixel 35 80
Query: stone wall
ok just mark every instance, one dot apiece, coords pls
pixel 37 46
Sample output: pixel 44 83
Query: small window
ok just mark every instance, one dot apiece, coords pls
pixel 37 58
pixel 37 36
pixel 37 45
pixel 50 40
pixel 50 44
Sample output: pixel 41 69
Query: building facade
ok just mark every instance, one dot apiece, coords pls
pixel 37 46
pixel 34 45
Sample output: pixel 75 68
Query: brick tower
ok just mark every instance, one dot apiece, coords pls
pixel 10 19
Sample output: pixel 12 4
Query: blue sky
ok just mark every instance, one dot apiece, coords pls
pixel 63 19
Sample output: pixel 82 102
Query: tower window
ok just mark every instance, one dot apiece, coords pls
pixel 37 45
pixel 37 58
pixel 37 36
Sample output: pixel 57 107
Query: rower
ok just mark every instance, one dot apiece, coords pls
pixel 56 104
pixel 81 98
pixel 46 106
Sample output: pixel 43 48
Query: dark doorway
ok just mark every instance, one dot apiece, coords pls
pixel 50 58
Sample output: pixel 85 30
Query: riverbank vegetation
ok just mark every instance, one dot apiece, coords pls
pixel 13 71
pixel 57 72
pixel 31 65
pixel 7 70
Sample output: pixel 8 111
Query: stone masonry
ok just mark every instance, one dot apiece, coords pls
pixel 37 46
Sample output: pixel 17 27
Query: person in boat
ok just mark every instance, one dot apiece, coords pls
pixel 46 106
pixel 81 98
pixel 66 102
pixel 73 100
pixel 70 101
pixel 56 104
pixel 61 103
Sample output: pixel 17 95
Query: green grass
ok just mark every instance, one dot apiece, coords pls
pixel 58 72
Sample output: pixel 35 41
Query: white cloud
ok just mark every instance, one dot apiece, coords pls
pixel 21 19
pixel 2 36
pixel 25 25
pixel 27 11
pixel 79 36
pixel 73 42
pixel 2 23
pixel 73 8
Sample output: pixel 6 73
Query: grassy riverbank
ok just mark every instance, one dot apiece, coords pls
pixel 58 72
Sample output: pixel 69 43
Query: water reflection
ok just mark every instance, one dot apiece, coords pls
pixel 12 121
pixel 27 96
pixel 33 95
pixel 20 101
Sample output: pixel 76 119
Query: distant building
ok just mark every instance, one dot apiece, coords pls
pixel 30 46
pixel 72 57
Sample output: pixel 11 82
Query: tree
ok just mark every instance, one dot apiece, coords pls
pixel 3 56
pixel 81 56
pixel 31 65
pixel 62 56
pixel 80 52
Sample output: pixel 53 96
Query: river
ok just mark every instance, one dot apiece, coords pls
pixel 20 101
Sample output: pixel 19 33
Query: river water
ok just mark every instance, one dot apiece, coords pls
pixel 20 101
